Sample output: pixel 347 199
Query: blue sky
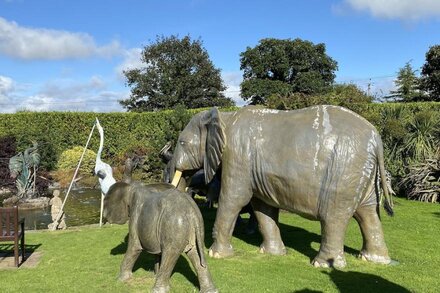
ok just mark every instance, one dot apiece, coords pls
pixel 69 55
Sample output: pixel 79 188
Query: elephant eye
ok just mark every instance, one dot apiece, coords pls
pixel 182 143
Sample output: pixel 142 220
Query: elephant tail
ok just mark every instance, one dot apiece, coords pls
pixel 199 230
pixel 386 187
pixel 200 235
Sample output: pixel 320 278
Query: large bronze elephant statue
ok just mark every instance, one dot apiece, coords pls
pixel 162 221
pixel 323 162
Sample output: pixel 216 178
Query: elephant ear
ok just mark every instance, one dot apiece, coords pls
pixel 215 143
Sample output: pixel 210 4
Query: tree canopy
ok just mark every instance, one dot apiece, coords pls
pixel 407 85
pixel 175 72
pixel 430 77
pixel 278 66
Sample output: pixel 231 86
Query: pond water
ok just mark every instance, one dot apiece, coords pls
pixel 82 208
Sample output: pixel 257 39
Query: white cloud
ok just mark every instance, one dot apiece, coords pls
pixel 232 81
pixel 132 60
pixel 61 95
pixel 47 44
pixel 398 9
pixel 7 86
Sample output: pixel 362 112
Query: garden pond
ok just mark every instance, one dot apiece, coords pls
pixel 82 208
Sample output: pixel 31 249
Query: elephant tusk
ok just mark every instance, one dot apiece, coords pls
pixel 176 178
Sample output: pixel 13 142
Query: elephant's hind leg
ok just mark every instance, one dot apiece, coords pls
pixel 374 248
pixel 205 280
pixel 331 252
pixel 167 262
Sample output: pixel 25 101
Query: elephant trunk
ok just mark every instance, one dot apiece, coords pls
pixel 176 178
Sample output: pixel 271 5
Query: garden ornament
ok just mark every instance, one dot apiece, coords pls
pixel 324 163
pixel 103 170
pixel 23 168
pixel 162 221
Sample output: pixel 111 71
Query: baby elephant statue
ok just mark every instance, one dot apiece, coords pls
pixel 162 221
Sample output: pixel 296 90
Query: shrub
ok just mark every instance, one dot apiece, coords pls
pixel 7 150
pixel 69 160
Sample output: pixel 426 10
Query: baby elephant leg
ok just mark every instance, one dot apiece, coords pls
pixel 130 257
pixel 167 262
pixel 205 280
pixel 374 248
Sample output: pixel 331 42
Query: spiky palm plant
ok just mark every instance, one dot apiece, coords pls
pixel 422 137
pixel 423 180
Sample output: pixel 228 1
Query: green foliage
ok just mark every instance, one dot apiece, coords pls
pixel 277 66
pixel 69 160
pixel 177 119
pixel 430 79
pixel 422 138
pixel 8 149
pixel 177 71
pixel 339 94
pixel 407 84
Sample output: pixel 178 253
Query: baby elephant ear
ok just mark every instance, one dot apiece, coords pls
pixel 215 143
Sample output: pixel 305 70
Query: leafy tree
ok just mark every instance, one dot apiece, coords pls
pixel 407 85
pixel 430 80
pixel 177 71
pixel 277 66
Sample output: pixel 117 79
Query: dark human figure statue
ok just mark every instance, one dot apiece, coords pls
pixel 162 221
pixel 324 163
pixel 194 183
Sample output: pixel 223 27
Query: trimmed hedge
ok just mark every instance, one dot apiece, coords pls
pixel 145 133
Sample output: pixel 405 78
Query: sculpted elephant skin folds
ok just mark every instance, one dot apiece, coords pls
pixel 323 162
pixel 162 221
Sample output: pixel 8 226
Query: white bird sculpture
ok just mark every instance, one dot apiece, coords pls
pixel 103 170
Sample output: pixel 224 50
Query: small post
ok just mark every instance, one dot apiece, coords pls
pixel 102 209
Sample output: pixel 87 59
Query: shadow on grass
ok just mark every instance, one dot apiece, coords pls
pixel 436 214
pixel 8 248
pixel 30 260
pixel 348 282
pixel 293 237
pixel 362 282
pixel 146 262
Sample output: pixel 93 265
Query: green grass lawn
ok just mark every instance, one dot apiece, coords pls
pixel 88 259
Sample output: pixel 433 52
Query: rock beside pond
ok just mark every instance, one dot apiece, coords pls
pixel 4 191
pixel 28 203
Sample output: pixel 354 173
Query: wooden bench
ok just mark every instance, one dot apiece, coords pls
pixel 12 229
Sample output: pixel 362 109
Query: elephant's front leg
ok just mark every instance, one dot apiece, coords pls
pixel 229 206
pixel 133 250
pixel 267 217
